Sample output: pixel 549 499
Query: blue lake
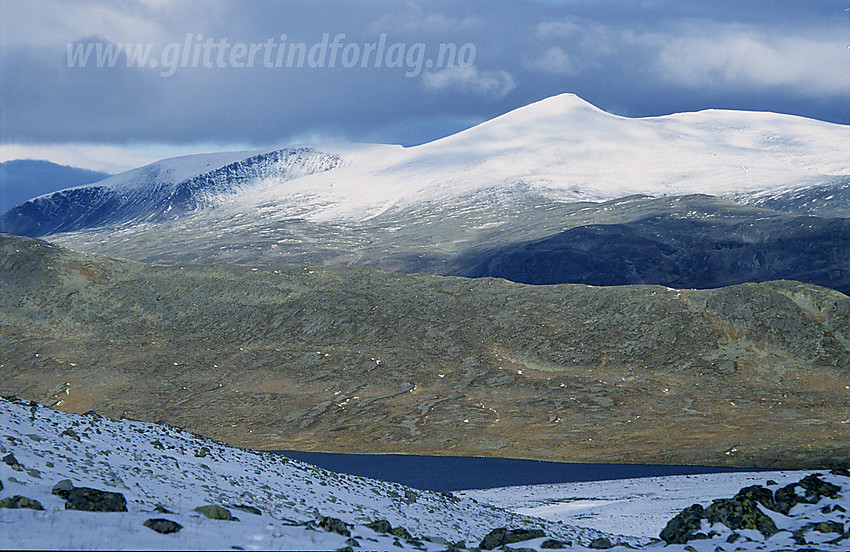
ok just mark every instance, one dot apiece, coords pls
pixel 454 473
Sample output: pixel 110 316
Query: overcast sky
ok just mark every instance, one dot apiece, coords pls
pixel 197 90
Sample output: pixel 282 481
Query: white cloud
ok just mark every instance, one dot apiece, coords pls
pixel 560 29
pixel 471 81
pixel 739 58
pixel 415 19
pixel 108 158
pixel 554 60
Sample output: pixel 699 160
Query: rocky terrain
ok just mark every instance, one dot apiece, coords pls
pixel 359 360
pixel 89 482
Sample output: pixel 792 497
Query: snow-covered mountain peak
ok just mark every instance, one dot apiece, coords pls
pixel 163 190
pixel 561 147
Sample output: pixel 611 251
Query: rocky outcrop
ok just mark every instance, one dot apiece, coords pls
pixel 502 536
pixel 95 500
pixel 19 501
pixel 746 511
pixel 216 512
pixel 162 525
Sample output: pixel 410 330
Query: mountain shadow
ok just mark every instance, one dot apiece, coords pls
pixel 679 252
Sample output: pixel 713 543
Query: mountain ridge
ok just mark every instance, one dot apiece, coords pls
pixel 562 147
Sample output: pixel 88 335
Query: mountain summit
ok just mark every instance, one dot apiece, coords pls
pixel 562 147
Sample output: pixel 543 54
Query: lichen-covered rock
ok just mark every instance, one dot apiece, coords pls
pixel 686 526
pixel 334 525
pixel 502 536
pixel 19 501
pixel 740 514
pixel 380 526
pixel 162 525
pixel 759 494
pixel 819 527
pixel 814 490
pixel 95 500
pixel 215 512
pixel 401 533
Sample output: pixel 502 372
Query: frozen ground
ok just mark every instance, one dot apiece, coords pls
pixel 165 474
pixel 640 507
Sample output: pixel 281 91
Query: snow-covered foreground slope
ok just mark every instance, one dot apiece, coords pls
pixel 640 507
pixel 672 506
pixel 153 465
pixel 163 474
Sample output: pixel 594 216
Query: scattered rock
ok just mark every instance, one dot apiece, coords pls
pixel 602 543
pixel 334 525
pixel 815 488
pixel 216 512
pixel 249 509
pixel 164 526
pixel 19 501
pixel 820 527
pixel 401 533
pixel 63 488
pixel 381 526
pixel 450 496
pixel 352 542
pixel 72 434
pixel 12 462
pixel 160 509
pixel 686 526
pixel 554 544
pixel 95 500
pixel 502 536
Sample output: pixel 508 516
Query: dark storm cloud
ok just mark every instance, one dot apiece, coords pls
pixel 632 58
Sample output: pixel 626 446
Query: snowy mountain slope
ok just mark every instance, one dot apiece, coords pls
pixel 86 482
pixel 162 190
pixel 153 465
pixel 827 200
pixel 568 149
pixel 561 147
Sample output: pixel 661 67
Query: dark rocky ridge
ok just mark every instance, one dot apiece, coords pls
pixel 677 251
pixel 358 360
